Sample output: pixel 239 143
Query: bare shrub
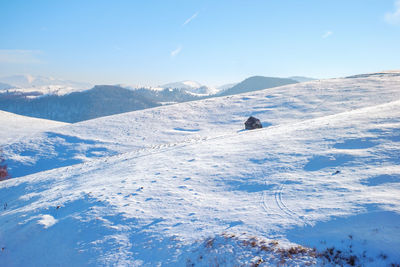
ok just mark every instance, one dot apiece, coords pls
pixel 4 174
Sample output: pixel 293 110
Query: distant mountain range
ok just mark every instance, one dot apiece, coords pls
pixel 78 106
pixel 5 86
pixel 69 101
pixel 191 87
pixel 102 100
pixel 34 86
pixel 27 81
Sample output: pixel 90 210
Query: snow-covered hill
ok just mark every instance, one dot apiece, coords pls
pixel 184 184
pixel 71 102
pixel 257 83
pixel 301 79
pixel 13 127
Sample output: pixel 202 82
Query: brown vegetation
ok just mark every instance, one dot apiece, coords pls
pixel 4 174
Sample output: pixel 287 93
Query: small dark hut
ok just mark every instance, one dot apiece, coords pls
pixel 252 123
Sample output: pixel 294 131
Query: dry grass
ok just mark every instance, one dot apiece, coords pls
pixel 255 251
pixel 4 174
pixel 264 250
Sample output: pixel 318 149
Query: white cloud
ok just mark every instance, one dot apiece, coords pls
pixel 394 17
pixel 190 19
pixel 176 51
pixel 19 56
pixel 327 34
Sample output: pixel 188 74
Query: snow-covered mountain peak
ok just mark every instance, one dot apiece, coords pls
pixel 191 87
pixel 182 85
pixel 27 83
pixel 28 80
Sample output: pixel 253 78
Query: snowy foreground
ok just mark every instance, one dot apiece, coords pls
pixel 15 127
pixel 184 185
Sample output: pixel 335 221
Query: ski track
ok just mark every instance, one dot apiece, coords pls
pixel 273 204
pixel 281 205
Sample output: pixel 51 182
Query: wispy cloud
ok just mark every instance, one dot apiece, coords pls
pixel 327 34
pixel 20 56
pixel 175 52
pixel 394 17
pixel 190 19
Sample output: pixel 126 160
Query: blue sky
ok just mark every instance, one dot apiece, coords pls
pixel 213 42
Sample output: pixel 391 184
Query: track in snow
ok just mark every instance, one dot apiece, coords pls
pixel 273 204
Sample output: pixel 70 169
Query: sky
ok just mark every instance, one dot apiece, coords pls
pixel 213 42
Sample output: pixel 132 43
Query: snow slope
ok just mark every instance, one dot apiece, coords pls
pixel 14 126
pixel 255 83
pixel 194 121
pixel 301 79
pixel 184 184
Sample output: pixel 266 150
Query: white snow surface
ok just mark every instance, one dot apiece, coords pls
pixel 47 220
pixel 184 184
pixel 14 127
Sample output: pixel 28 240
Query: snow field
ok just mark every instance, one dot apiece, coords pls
pixel 323 173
